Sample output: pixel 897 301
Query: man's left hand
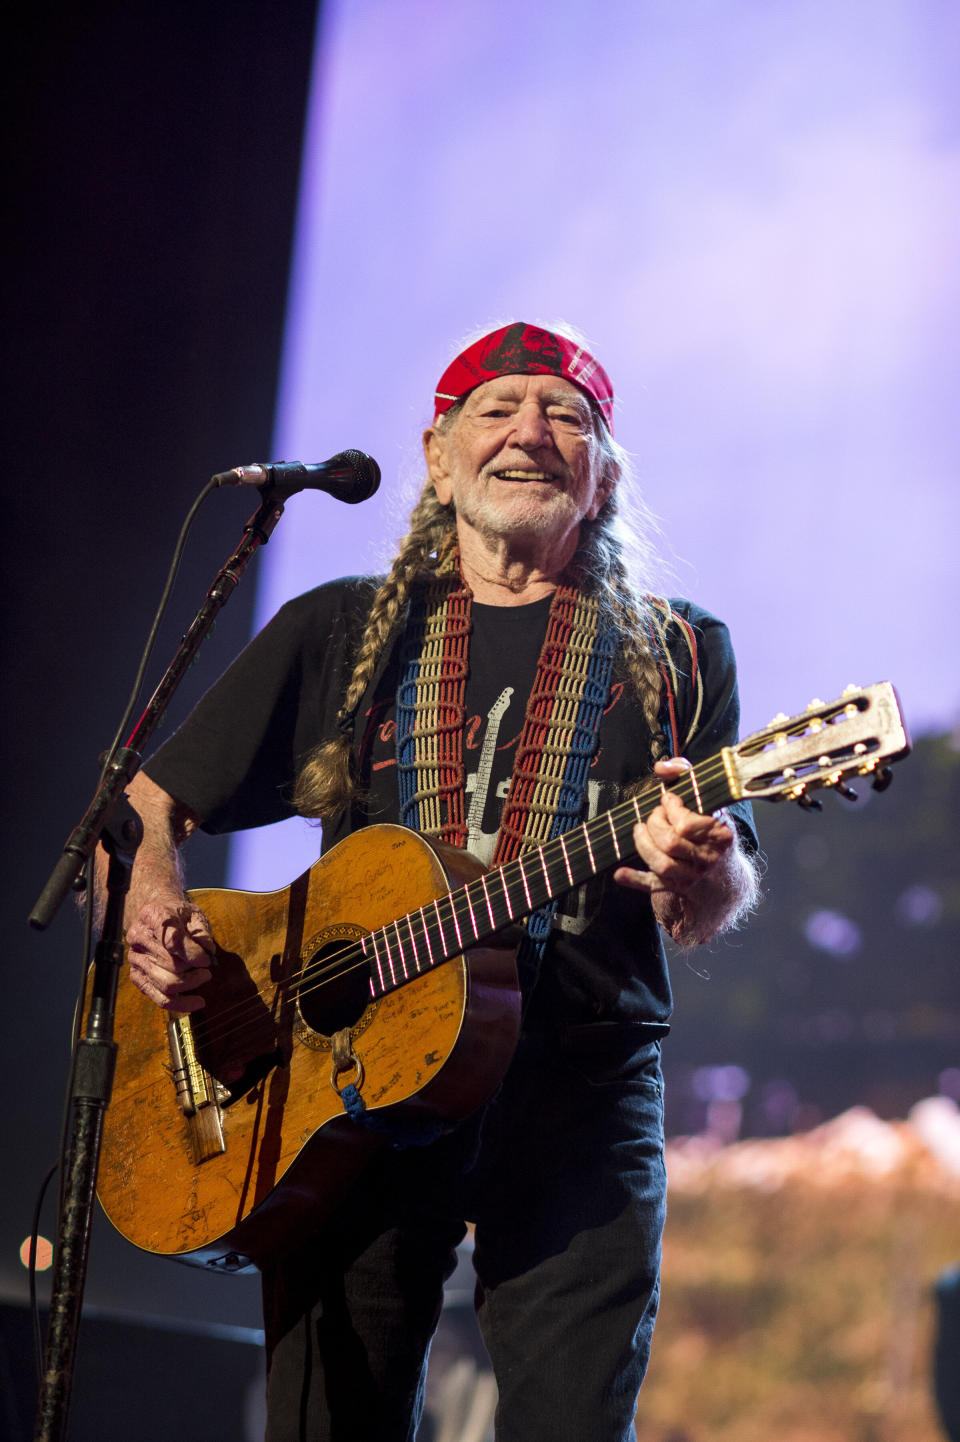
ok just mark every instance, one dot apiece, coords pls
pixel 697 877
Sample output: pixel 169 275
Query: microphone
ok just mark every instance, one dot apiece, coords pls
pixel 350 476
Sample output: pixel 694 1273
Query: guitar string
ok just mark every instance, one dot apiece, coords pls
pixel 350 958
pixel 577 846
pixel 578 843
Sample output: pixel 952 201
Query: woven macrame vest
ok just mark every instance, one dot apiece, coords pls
pixel 557 743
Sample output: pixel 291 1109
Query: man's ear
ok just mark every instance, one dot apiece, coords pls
pixel 435 454
pixel 604 491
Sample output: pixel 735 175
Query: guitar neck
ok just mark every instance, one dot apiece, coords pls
pixel 422 939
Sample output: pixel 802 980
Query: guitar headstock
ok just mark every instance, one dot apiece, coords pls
pixel 858 735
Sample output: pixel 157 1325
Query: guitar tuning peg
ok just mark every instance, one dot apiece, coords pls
pixel 842 789
pixel 882 778
pixel 814 704
pixel 810 803
pixel 852 689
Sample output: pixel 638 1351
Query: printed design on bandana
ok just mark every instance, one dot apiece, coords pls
pixel 581 366
pixel 523 349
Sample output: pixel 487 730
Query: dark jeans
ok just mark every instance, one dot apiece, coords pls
pixel 567 1190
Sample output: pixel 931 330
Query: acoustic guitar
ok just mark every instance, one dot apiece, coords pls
pixel 377 991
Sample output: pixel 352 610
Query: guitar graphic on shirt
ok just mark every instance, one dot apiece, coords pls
pixel 481 785
pixel 378 980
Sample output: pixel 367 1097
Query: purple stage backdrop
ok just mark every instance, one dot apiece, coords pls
pixel 751 208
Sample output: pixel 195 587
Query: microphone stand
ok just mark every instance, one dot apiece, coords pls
pixel 110 817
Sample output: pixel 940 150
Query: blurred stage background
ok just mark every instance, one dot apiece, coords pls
pixel 259 231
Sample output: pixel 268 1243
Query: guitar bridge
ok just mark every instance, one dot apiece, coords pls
pixel 199 1096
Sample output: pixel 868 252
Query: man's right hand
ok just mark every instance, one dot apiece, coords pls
pixel 170 949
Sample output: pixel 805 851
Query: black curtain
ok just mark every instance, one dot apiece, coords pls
pixel 153 164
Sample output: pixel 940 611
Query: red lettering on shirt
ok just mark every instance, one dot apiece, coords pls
pixel 616 691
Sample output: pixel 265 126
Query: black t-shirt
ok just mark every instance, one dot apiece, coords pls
pixel 234 761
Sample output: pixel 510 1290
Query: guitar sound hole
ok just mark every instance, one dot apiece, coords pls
pixel 331 997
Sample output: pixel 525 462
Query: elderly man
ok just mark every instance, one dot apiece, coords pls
pixel 514 633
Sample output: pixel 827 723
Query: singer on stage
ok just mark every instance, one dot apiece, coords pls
pixel 510 677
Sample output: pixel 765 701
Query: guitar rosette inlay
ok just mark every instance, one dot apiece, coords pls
pixel 333 993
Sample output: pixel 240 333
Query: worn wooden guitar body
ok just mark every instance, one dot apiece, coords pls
pixel 218 1171
pixel 372 982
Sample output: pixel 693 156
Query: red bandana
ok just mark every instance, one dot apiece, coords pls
pixel 522 349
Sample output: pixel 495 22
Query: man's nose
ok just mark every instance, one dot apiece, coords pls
pixel 531 427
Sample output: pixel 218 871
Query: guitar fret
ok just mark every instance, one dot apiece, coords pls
pixel 586 837
pixel 696 789
pixel 456 924
pixel 523 878
pixel 486 897
pixel 473 919
pixel 372 938
pixel 543 865
pixel 716 791
pixel 426 936
pixel 507 898
pixel 503 903
pixel 403 959
pixel 566 859
pixel 446 948
pixel 391 967
pixel 413 944
pixel 613 835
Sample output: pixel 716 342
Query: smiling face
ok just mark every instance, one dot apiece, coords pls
pixel 521 464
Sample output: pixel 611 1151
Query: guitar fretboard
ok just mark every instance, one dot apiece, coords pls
pixel 413 944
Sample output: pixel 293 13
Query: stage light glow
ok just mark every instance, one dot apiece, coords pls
pixel 834 933
pixel 919 905
pixel 752 213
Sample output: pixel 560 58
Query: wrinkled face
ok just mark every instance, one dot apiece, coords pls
pixel 520 460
